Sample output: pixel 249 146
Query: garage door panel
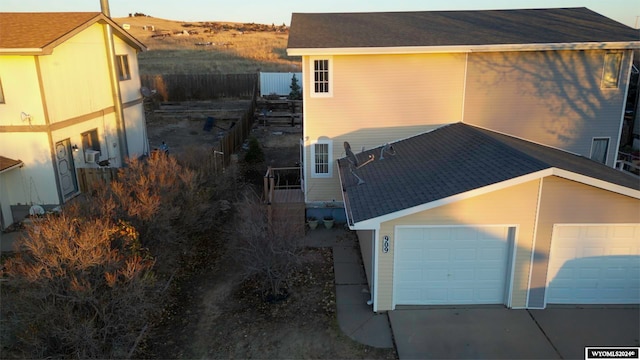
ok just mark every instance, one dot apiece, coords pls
pixel 460 265
pixel 594 265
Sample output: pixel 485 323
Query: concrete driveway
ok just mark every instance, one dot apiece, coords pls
pixel 500 333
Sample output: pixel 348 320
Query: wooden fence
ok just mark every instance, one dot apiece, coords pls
pixel 88 177
pixel 236 136
pixel 181 87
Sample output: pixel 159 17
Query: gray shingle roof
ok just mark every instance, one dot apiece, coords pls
pixel 452 160
pixel 451 28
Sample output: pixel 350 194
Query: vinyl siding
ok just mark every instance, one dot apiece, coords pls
pixel 511 206
pixel 378 99
pixel 21 90
pixel 75 77
pixel 569 202
pixel 551 97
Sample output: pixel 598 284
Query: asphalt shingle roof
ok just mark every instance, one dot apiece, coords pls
pixel 6 163
pixel 451 28
pixel 39 30
pixel 452 160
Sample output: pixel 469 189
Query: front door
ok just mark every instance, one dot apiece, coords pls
pixel 66 169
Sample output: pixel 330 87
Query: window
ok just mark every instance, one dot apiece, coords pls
pixel 122 63
pixel 599 149
pixel 90 142
pixel 321 157
pixel 321 77
pixel 1 93
pixel 611 72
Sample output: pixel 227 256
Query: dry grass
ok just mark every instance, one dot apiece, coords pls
pixel 229 47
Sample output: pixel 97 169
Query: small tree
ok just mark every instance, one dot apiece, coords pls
pixel 270 253
pixel 295 93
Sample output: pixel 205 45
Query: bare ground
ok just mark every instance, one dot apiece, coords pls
pixel 218 315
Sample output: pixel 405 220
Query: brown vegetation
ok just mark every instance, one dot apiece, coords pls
pixel 210 47
pixel 92 280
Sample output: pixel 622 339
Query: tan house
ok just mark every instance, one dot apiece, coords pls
pixel 69 99
pixel 496 184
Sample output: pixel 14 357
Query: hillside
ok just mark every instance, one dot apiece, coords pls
pixel 177 47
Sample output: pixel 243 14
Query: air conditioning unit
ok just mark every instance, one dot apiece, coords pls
pixel 91 156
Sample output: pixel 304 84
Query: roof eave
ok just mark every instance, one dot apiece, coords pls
pixel 374 223
pixel 12 167
pixel 25 51
pixel 398 50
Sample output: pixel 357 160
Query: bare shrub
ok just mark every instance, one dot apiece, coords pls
pixel 83 285
pixel 268 252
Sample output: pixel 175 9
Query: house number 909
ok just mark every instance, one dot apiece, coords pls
pixel 385 244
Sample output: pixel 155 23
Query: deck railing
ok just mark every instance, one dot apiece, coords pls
pixel 285 178
pixel 628 163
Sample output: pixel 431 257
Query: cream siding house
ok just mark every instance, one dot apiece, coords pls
pixel 65 104
pixel 461 126
pixel 373 78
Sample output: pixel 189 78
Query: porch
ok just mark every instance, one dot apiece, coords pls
pixel 284 197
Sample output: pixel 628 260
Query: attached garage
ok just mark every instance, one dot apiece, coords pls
pixel 512 223
pixel 452 265
pixel 594 264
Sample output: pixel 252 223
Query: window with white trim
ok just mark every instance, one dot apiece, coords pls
pixel 599 149
pixel 321 77
pixel 611 71
pixel 321 165
pixel 122 63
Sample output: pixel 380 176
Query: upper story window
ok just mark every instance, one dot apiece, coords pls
pixel 600 149
pixel 321 159
pixel 611 72
pixel 122 63
pixel 321 77
pixel 1 93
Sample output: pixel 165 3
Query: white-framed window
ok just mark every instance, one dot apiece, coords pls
pixel 321 70
pixel 600 149
pixel 611 71
pixel 1 93
pixel 122 63
pixel 321 159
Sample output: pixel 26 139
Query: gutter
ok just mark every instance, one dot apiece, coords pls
pixel 617 45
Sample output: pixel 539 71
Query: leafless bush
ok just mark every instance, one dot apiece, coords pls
pixel 267 252
pixel 82 287
pixel 89 280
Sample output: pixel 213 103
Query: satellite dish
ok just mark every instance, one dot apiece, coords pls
pixel 350 155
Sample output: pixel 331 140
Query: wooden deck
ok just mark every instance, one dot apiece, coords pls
pixel 288 196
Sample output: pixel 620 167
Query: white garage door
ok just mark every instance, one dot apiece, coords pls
pixel 451 265
pixel 594 265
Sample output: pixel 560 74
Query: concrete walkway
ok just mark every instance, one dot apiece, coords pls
pixel 355 317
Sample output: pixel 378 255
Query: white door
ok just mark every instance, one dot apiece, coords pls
pixel 66 169
pixel 591 264
pixel 451 265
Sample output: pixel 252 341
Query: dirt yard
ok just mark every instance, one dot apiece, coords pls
pixel 216 315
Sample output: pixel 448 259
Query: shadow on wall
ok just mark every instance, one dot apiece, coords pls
pixel 613 279
pixel 554 97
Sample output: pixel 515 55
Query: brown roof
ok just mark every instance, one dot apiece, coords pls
pixel 6 163
pixel 455 28
pixel 28 31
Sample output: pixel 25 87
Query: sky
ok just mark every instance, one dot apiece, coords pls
pixel 279 11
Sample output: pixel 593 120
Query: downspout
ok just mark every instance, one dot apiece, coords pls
pixel 115 86
pixel 373 268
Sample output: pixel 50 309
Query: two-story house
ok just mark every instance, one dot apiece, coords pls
pixel 69 98
pixel 496 184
